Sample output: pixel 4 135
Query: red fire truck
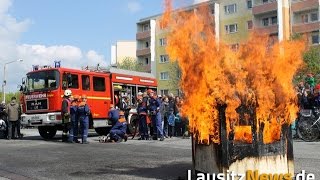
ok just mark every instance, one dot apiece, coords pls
pixel 43 89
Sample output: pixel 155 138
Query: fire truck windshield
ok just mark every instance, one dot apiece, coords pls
pixel 43 80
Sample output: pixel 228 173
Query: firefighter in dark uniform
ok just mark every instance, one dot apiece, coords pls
pixel 118 131
pixel 65 114
pixel 154 108
pixel 84 113
pixel 142 114
pixel 73 135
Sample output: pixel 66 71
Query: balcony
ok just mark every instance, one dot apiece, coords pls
pixel 273 29
pixel 143 52
pixel 264 8
pixel 304 5
pixel 306 27
pixel 143 35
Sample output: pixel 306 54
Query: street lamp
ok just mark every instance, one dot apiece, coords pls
pixel 4 78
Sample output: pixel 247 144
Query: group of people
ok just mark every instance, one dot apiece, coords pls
pixel 165 115
pixel 10 116
pixel 75 110
pixel 308 93
pixel 158 117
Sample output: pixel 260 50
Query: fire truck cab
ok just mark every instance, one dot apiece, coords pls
pixel 43 89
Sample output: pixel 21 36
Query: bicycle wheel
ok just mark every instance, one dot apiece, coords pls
pixel 306 130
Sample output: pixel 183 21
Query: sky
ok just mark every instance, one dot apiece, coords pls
pixel 76 32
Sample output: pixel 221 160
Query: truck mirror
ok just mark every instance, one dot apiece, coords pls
pixel 20 88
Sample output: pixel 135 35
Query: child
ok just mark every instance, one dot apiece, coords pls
pixel 171 123
pixel 118 131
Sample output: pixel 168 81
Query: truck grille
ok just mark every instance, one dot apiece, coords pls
pixel 37 104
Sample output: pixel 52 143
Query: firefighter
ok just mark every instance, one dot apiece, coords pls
pixel 113 114
pixel 142 114
pixel 73 136
pixel 118 131
pixel 84 113
pixel 65 113
pixel 154 107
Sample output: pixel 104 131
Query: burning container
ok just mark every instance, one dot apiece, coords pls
pixel 240 150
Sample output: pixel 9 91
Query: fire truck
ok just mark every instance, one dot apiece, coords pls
pixel 42 92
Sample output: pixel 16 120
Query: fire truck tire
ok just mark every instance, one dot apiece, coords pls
pixel 47 132
pixel 103 131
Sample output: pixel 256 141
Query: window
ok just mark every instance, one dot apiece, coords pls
pixel 232 28
pixel 230 9
pixel 212 9
pixel 305 18
pixel 314 17
pixel 145 27
pixel 164 58
pixel 99 84
pixel 315 38
pixel 235 47
pixel 85 82
pixel 249 24
pixel 274 20
pixel 164 76
pixel 164 92
pixel 265 21
pixel 146 61
pixel 163 41
pixel 147 44
pixel 249 4
pixel 74 82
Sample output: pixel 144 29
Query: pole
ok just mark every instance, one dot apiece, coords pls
pixel 4 78
pixel 4 83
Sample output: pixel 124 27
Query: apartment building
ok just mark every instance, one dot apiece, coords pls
pixel 151 40
pixel 122 50
pixel 234 20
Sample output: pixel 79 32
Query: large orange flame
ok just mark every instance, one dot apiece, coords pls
pixel 257 75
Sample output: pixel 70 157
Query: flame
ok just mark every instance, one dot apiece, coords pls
pixel 255 82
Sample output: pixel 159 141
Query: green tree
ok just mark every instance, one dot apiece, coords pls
pixel 174 75
pixel 130 64
pixel 312 65
pixel 10 95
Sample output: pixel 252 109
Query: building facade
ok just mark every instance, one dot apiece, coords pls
pixel 122 50
pixel 234 21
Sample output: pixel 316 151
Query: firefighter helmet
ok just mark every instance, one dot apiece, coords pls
pixel 76 97
pixel 67 92
pixel 149 91
pixel 83 96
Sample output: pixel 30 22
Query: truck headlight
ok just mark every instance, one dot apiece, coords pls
pixel 52 117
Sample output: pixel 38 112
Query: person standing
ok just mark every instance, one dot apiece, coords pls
pixel 84 112
pixel 164 109
pixel 171 123
pixel 154 104
pixel 142 114
pixel 13 111
pixel 124 106
pixel 65 114
pixel 73 135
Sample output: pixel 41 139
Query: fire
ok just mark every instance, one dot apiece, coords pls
pixel 255 78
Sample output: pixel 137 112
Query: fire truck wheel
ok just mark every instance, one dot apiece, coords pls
pixel 47 132
pixel 102 131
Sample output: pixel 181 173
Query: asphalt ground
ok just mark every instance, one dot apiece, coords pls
pixel 34 158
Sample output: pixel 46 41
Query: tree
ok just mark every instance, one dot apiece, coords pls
pixel 312 65
pixel 174 75
pixel 130 64
pixel 10 95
